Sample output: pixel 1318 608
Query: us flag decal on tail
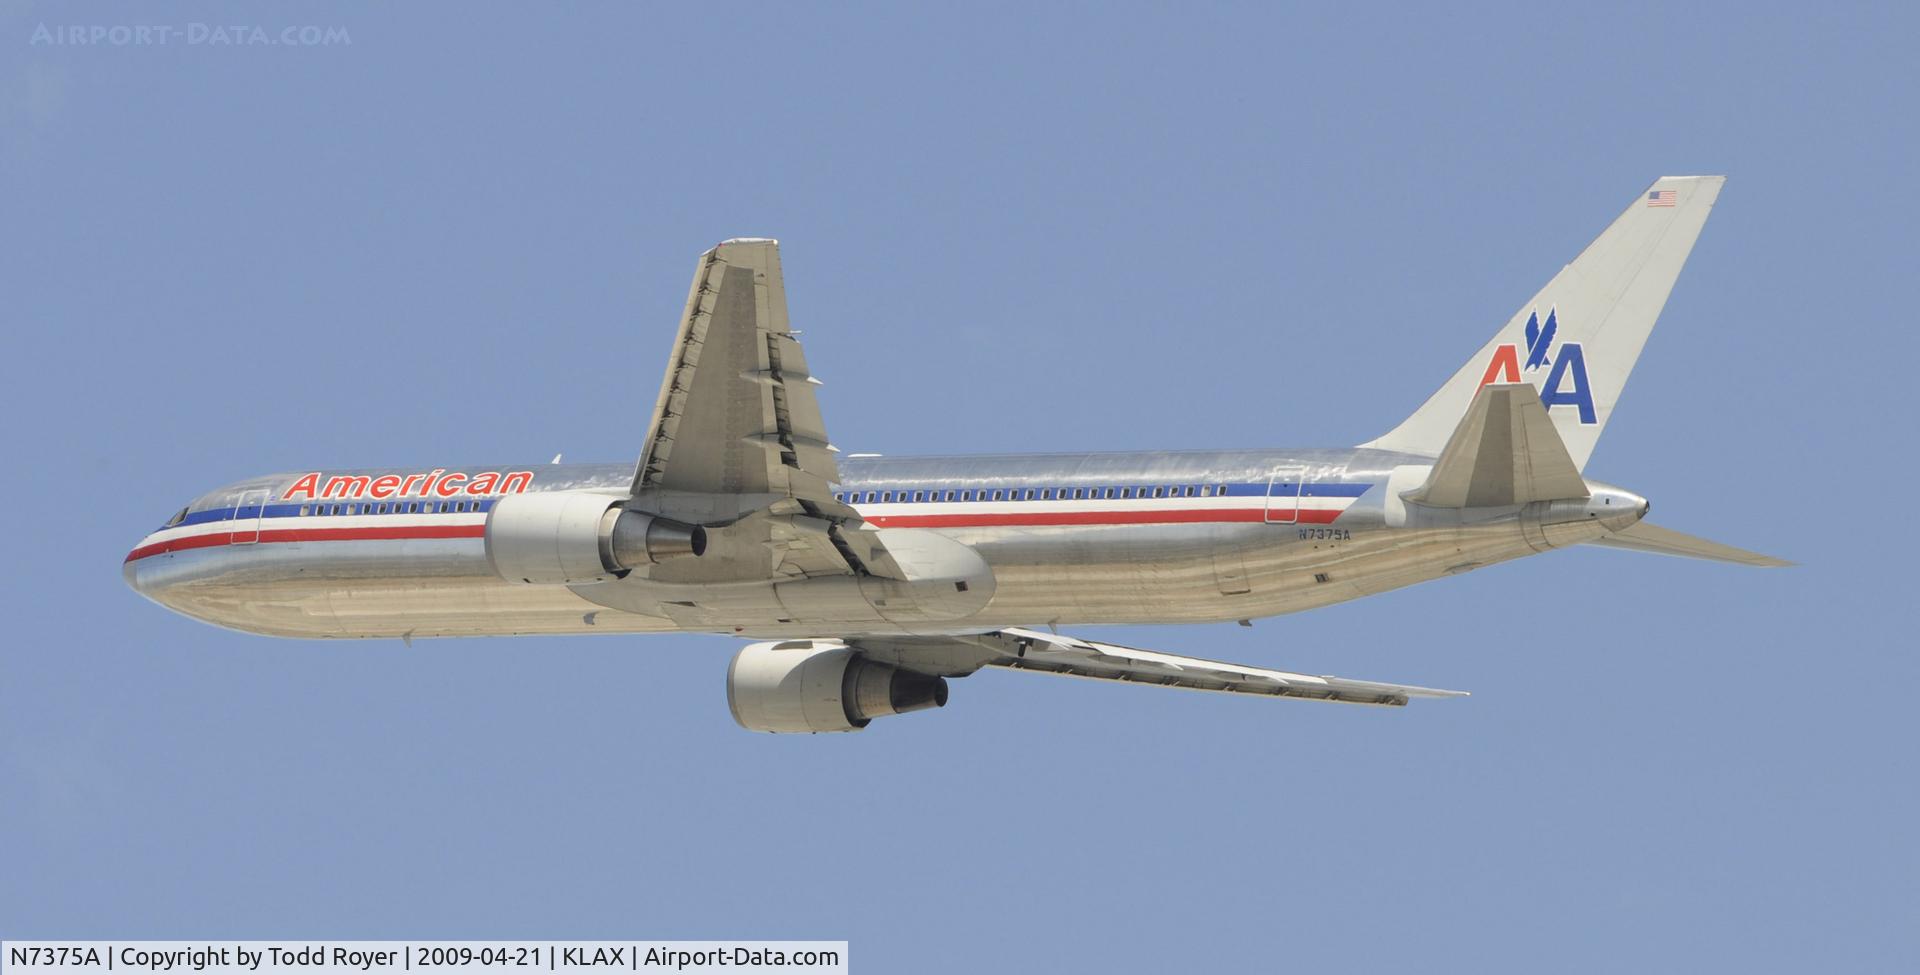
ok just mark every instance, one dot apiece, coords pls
pixel 1662 198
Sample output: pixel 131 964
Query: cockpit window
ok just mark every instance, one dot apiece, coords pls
pixel 178 517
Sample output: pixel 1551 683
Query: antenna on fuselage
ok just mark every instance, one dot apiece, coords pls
pixel 555 460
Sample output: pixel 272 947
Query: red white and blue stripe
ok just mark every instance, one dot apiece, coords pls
pixel 882 507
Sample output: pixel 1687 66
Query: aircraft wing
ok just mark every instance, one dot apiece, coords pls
pixel 1049 653
pixel 737 415
pixel 737 441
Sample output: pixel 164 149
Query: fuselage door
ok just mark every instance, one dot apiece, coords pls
pixel 1284 486
pixel 247 513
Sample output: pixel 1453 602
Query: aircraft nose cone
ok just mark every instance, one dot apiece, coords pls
pixel 130 571
pixel 139 577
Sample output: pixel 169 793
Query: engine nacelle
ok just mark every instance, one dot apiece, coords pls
pixel 573 538
pixel 821 685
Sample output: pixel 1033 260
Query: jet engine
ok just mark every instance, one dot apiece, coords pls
pixel 821 685
pixel 574 537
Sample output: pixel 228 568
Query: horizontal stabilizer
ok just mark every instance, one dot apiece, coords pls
pixel 1504 452
pixel 1645 537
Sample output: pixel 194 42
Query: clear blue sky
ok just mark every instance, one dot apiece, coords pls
pixel 465 236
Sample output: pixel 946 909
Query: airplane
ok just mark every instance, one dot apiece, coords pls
pixel 870 581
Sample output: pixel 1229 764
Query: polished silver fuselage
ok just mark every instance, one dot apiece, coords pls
pixel 1171 537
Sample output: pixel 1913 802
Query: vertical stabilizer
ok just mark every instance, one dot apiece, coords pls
pixel 1576 341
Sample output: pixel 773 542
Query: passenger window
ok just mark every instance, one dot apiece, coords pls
pixel 1206 490
pixel 1029 494
pixel 949 495
pixel 916 497
pixel 1109 494
pixel 1126 492
pixel 996 495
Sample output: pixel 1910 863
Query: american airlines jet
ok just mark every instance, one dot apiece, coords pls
pixel 871 580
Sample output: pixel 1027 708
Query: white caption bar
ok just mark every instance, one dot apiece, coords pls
pixel 427 957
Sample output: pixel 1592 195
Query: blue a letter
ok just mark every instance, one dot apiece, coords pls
pixel 1569 359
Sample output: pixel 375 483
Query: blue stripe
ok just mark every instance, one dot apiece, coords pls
pixel 316 510
pixel 1257 489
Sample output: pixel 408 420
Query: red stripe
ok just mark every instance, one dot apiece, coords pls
pixel 1307 516
pixel 212 539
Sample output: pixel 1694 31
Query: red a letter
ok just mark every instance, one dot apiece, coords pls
pixel 305 485
pixel 1506 359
